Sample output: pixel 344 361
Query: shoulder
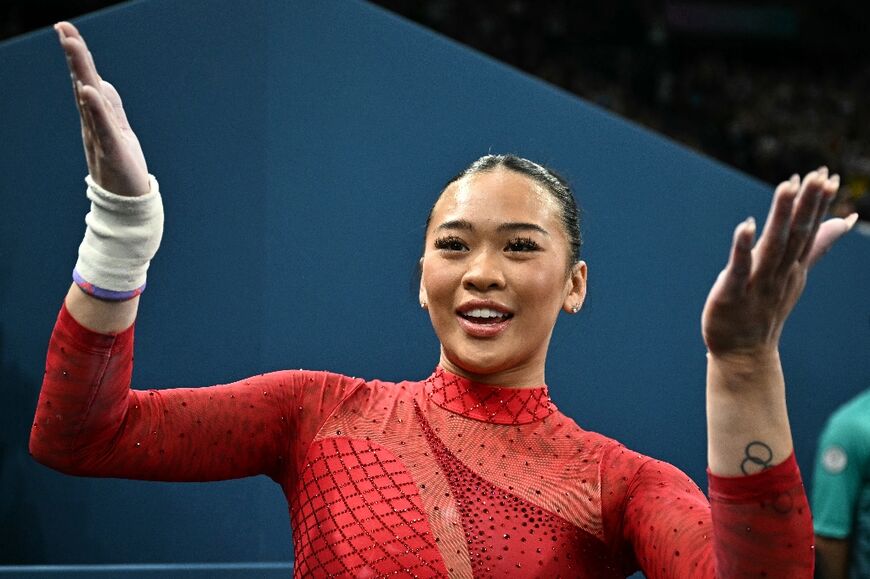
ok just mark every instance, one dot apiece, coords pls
pixel 592 446
pixel 855 412
pixel 331 377
pixel 844 445
pixel 361 390
pixel 850 421
pixel 307 387
pixel 617 464
pixel 630 470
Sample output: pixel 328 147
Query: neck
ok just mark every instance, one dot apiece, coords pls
pixel 524 376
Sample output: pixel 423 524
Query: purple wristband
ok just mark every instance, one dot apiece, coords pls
pixel 104 294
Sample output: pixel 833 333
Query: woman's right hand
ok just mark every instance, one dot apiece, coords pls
pixel 114 156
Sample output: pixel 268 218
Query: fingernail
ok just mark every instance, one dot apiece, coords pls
pixel 835 180
pixel 747 232
pixel 850 221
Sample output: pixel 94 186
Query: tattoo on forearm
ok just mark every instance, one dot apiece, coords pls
pixel 758 457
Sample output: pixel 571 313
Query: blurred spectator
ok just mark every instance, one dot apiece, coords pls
pixel 782 91
pixel 841 493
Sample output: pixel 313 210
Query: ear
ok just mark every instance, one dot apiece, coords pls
pixel 424 299
pixel 575 288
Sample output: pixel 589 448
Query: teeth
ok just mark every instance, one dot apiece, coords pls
pixel 484 313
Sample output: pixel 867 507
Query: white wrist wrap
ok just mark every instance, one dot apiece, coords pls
pixel 122 235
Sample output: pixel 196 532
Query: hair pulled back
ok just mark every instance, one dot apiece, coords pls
pixel 547 178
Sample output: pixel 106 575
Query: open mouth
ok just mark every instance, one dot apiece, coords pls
pixel 485 316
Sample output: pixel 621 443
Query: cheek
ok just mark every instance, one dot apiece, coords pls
pixel 542 287
pixel 439 282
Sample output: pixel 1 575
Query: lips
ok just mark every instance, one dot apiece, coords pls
pixel 483 319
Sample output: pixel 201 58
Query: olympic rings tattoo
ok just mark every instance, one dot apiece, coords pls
pixel 758 454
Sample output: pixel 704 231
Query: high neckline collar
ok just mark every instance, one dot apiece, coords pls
pixel 487 402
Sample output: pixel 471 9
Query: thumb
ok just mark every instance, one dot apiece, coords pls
pixel 114 99
pixel 829 232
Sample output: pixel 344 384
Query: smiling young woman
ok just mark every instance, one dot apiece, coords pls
pixel 494 273
pixel 472 472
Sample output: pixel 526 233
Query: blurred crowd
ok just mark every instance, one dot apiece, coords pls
pixel 759 95
pixel 770 86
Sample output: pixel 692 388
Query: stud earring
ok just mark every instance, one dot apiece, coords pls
pixel 575 308
pixel 423 305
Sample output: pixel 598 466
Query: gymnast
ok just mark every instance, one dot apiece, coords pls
pixel 473 471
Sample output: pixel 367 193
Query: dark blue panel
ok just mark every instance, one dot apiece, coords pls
pixel 151 571
pixel 192 78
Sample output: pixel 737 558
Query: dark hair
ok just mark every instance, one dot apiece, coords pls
pixel 544 176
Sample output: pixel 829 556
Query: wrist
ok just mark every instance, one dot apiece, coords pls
pixel 122 236
pixel 746 359
pixel 122 183
pixel 757 370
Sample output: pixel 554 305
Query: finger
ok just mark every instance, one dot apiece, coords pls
pixel 829 232
pixel 803 215
pixel 101 119
pixel 79 59
pixel 61 36
pixel 774 238
pixel 829 192
pixel 67 28
pixel 87 123
pixel 739 266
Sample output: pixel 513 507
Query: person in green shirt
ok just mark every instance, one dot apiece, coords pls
pixel 841 493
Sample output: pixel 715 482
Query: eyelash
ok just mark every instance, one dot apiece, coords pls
pixel 523 244
pixel 450 243
pixel 519 244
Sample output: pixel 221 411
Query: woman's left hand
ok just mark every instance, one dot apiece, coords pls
pixel 754 294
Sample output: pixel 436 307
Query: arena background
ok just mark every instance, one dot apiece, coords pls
pixel 299 146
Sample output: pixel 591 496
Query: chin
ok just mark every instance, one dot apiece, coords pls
pixel 480 363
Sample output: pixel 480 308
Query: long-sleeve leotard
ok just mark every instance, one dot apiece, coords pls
pixel 432 478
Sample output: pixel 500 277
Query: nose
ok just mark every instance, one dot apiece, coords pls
pixel 484 272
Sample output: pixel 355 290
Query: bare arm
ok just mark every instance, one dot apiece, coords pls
pixel 115 162
pixel 747 421
pixel 99 315
pixel 832 558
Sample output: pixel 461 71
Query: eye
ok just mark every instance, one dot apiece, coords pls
pixel 522 244
pixel 450 243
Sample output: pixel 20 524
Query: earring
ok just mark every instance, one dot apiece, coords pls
pixel 423 305
pixel 575 309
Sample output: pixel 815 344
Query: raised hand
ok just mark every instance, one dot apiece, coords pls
pixel 754 294
pixel 113 153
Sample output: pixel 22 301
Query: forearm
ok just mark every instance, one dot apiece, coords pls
pixel 761 518
pixel 101 316
pixel 747 419
pixel 832 558
pixel 753 526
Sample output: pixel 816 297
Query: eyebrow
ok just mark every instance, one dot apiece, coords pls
pixel 463 224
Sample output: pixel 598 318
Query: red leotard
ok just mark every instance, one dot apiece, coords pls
pixel 420 479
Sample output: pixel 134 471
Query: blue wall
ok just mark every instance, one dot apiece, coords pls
pixel 299 146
